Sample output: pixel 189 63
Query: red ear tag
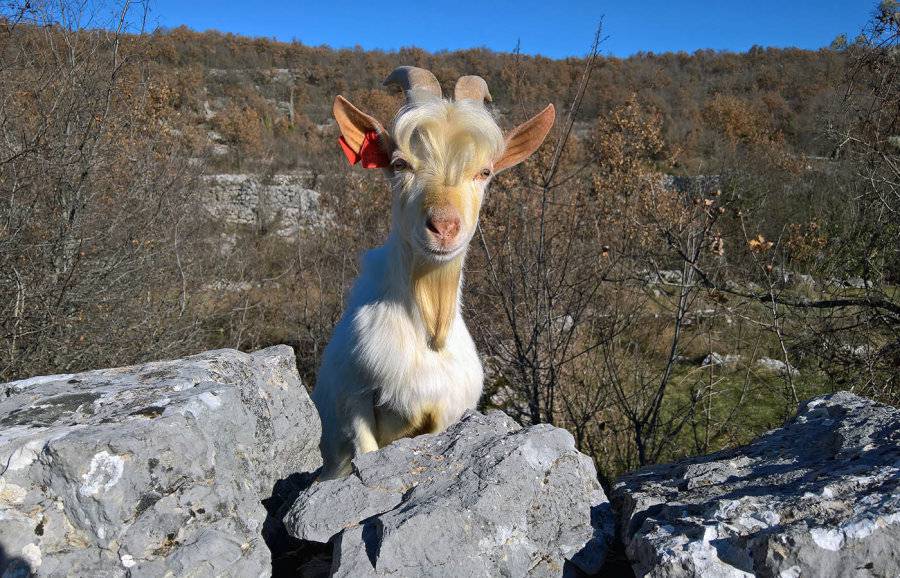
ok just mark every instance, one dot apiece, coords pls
pixel 370 154
pixel 352 156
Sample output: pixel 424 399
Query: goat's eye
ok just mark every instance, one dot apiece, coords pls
pixel 399 165
pixel 484 174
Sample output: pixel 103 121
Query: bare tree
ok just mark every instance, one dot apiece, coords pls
pixel 100 240
pixel 544 275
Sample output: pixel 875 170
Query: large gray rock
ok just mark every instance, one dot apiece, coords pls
pixel 484 498
pixel 151 470
pixel 818 497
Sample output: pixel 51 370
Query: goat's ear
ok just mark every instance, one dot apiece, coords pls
pixel 526 138
pixel 354 125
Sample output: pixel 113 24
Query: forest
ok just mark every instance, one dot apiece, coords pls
pixel 703 240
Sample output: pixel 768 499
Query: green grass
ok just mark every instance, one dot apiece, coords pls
pixel 745 402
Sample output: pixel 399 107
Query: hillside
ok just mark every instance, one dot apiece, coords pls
pixel 706 101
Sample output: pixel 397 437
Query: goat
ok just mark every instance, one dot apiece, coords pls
pixel 401 361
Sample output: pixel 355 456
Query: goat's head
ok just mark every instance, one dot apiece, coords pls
pixel 439 155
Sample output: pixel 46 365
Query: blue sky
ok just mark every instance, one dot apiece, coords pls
pixel 554 29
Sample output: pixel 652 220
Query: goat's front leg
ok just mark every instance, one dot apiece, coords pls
pixel 357 434
pixel 363 426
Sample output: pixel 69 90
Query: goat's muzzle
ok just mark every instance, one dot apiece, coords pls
pixel 443 225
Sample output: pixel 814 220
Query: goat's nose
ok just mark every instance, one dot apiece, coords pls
pixel 444 226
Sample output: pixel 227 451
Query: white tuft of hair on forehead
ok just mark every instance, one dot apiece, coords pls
pixel 447 140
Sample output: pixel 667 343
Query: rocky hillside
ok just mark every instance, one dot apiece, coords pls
pixel 203 466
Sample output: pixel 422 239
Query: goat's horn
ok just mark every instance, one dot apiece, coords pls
pixel 414 82
pixel 473 88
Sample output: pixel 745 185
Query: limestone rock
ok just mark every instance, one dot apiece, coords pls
pixel 283 203
pixel 727 360
pixel 817 497
pixel 484 498
pixel 152 469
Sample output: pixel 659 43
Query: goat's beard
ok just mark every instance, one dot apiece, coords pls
pixel 436 289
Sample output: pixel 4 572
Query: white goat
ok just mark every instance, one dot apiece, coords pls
pixel 401 361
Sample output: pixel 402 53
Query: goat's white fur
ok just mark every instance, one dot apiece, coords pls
pixel 380 377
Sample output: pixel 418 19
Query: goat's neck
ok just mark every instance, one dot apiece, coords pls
pixel 431 289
